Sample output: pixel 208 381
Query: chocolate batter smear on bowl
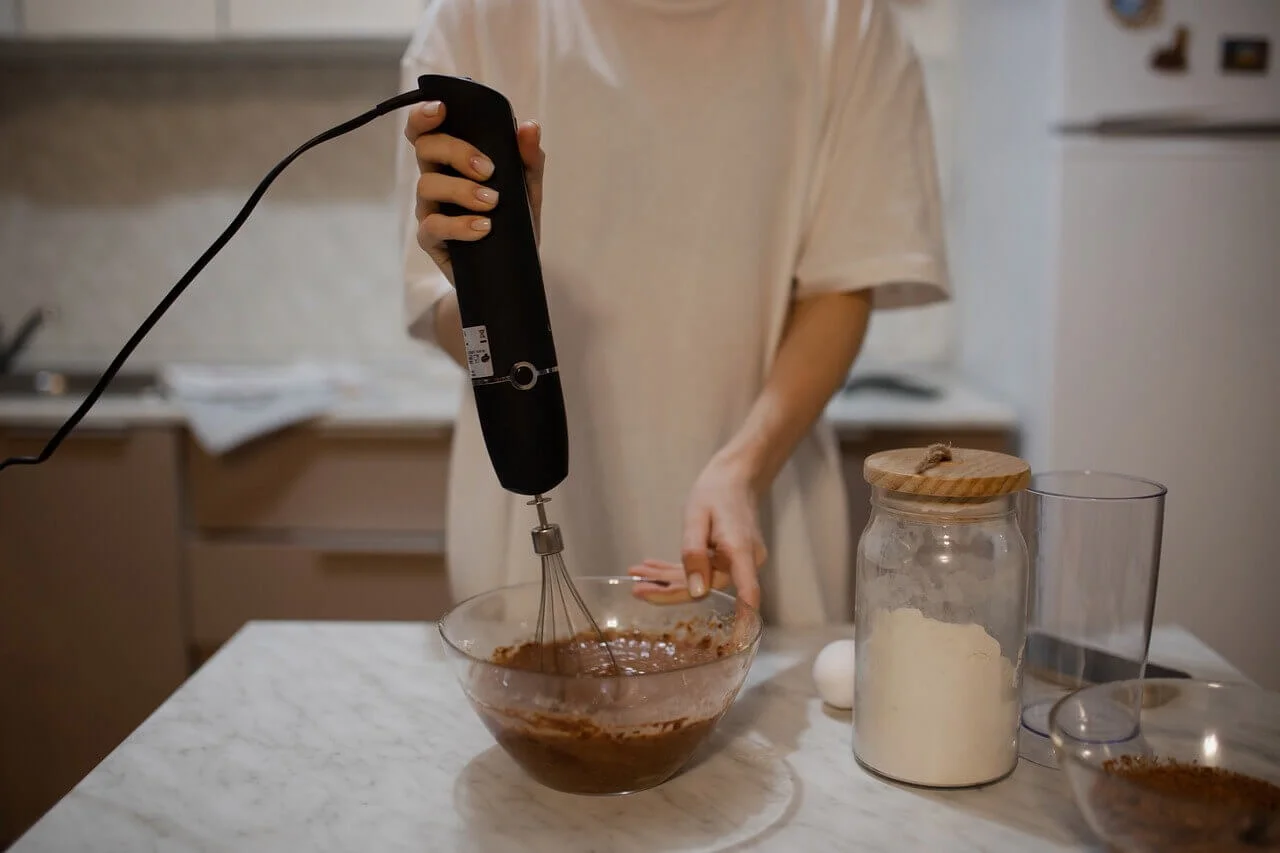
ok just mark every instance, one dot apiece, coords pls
pixel 636 652
pixel 581 731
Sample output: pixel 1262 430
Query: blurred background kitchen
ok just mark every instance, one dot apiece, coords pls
pixel 1116 308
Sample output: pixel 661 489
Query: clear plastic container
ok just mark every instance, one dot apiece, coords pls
pixel 1094 540
pixel 940 618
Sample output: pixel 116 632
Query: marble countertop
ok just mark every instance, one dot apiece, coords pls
pixel 393 397
pixel 355 737
pixel 428 398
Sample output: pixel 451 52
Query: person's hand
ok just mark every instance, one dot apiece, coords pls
pixel 436 150
pixel 721 538
pixel 666 583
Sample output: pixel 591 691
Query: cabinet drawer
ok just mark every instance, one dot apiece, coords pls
pixel 232 583
pixel 120 19
pixel 316 478
pixel 315 18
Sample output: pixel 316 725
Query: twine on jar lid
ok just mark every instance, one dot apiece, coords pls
pixel 943 471
pixel 936 453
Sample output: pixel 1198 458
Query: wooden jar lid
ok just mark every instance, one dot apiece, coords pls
pixel 940 471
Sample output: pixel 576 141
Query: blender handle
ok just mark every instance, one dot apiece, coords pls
pixel 502 301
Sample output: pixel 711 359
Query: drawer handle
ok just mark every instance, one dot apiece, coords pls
pixel 99 430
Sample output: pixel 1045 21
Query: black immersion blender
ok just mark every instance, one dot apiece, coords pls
pixel 511 356
pixel 506 327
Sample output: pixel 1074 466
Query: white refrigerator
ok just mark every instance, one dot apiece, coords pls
pixel 1117 260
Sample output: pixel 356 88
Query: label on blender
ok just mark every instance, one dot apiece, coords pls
pixel 479 360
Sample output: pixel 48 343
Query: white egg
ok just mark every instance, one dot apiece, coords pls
pixel 833 674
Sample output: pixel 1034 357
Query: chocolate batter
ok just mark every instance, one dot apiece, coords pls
pixel 634 651
pixel 607 735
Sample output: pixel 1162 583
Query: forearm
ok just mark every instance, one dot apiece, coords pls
pixel 822 337
pixel 448 328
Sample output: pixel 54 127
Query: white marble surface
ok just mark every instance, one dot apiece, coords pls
pixel 356 737
pixel 959 406
pixel 428 398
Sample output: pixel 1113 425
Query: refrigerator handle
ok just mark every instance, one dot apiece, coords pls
pixel 1174 128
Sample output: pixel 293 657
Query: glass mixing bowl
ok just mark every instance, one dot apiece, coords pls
pixel 1114 742
pixel 611 734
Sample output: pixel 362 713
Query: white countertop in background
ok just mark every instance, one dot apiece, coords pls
pixel 429 399
pixel 354 737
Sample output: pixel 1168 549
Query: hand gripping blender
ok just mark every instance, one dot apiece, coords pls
pixel 511 357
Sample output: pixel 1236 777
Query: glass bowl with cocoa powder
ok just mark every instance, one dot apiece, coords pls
pixel 602 726
pixel 1173 765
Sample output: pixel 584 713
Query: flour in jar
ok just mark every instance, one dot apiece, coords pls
pixel 937 703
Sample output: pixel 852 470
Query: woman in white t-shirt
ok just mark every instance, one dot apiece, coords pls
pixel 731 187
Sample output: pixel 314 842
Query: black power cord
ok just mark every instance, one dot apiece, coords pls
pixel 399 101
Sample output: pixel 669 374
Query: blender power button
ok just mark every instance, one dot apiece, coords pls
pixel 524 375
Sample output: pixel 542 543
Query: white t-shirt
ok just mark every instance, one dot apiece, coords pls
pixel 708 161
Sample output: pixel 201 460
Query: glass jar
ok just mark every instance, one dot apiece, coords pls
pixel 940 617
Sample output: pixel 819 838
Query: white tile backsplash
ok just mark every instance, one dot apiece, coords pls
pixel 120 175
pixel 117 175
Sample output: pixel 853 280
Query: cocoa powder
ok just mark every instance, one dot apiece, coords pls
pixel 1152 804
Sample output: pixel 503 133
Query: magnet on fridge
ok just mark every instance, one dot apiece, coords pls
pixel 1173 56
pixel 1245 55
pixel 1136 14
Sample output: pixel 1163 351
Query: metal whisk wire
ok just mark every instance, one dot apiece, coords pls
pixel 562 650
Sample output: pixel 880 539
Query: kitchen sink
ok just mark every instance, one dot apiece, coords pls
pixel 74 383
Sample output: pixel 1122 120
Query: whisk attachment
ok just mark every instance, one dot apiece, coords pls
pixel 568 636
pixel 547 540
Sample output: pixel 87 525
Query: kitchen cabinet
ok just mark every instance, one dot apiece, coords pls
pixel 117 19
pixel 323 479
pixel 329 523
pixel 316 523
pixel 235 582
pixel 8 18
pixel 91 624
pixel 322 18
pixel 211 20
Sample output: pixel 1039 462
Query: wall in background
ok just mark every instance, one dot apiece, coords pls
pixel 119 173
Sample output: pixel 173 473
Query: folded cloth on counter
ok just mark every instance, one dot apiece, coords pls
pixel 227 406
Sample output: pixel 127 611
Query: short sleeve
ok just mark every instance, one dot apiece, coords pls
pixel 875 217
pixel 433 50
